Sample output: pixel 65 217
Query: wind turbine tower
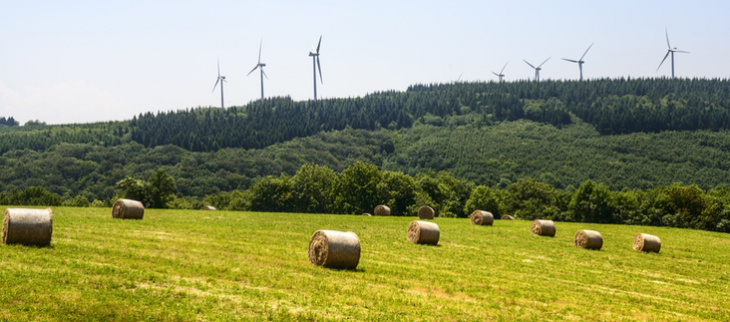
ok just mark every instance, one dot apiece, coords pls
pixel 315 66
pixel 501 73
pixel 537 69
pixel 670 50
pixel 260 66
pixel 221 79
pixel 580 61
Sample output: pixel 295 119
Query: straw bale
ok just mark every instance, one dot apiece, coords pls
pixel 543 227
pixel 647 243
pixel 334 249
pixel 423 232
pixel 507 217
pixel 426 212
pixel 588 239
pixel 482 218
pixel 128 209
pixel 382 210
pixel 32 227
pixel 208 207
pixel 366 214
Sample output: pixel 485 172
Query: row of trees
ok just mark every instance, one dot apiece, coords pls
pixel 361 187
pixel 10 121
pixel 613 106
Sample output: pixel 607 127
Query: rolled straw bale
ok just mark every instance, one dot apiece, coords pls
pixel 423 232
pixel 589 239
pixel 482 218
pixel 647 243
pixel 382 210
pixel 334 249
pixel 128 209
pixel 366 214
pixel 543 227
pixel 507 217
pixel 27 226
pixel 208 208
pixel 426 212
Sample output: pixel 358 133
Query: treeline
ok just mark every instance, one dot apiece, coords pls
pixel 10 121
pixel 275 120
pixel 616 106
pixel 361 187
pixel 613 106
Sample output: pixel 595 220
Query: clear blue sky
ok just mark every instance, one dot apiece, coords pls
pixel 84 61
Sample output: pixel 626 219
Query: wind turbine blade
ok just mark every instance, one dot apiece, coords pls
pixel 528 63
pixel 665 58
pixel 681 51
pixel 495 74
pixel 458 79
pixel 584 54
pixel 216 84
pixel 543 63
pixel 263 72
pixel 261 44
pixel 502 71
pixel 570 60
pixel 249 73
pixel 219 68
pixel 667 33
pixel 319 43
pixel 320 70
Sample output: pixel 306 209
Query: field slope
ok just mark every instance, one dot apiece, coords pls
pixel 194 265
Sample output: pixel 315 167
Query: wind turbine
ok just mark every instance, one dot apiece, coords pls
pixel 260 66
pixel 315 65
pixel 672 51
pixel 221 79
pixel 580 61
pixel 537 69
pixel 500 75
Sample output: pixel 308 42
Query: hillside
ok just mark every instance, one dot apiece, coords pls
pixel 625 133
pixel 193 265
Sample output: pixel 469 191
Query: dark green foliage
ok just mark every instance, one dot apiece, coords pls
pixel 31 196
pixel 356 190
pixel 312 187
pixel 483 198
pixel 592 203
pixel 398 192
pixel 530 199
pixel 158 192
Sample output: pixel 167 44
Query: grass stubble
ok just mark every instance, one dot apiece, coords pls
pixel 195 265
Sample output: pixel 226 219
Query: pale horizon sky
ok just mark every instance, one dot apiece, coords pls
pixel 88 61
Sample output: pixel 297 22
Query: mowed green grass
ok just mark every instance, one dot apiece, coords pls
pixel 219 265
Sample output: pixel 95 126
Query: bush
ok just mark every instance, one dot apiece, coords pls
pixel 483 198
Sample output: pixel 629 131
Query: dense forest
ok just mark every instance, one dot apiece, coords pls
pixel 624 133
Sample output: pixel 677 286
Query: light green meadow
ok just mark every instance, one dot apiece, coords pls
pixel 220 265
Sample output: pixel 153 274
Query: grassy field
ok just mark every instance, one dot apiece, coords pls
pixel 195 265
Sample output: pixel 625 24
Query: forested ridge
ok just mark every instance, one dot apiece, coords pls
pixel 623 133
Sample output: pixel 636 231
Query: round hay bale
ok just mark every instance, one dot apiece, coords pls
pixel 423 232
pixel 208 208
pixel 32 227
pixel 366 214
pixel 334 249
pixel 507 217
pixel 543 227
pixel 426 212
pixel 382 210
pixel 482 218
pixel 647 243
pixel 128 209
pixel 588 239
